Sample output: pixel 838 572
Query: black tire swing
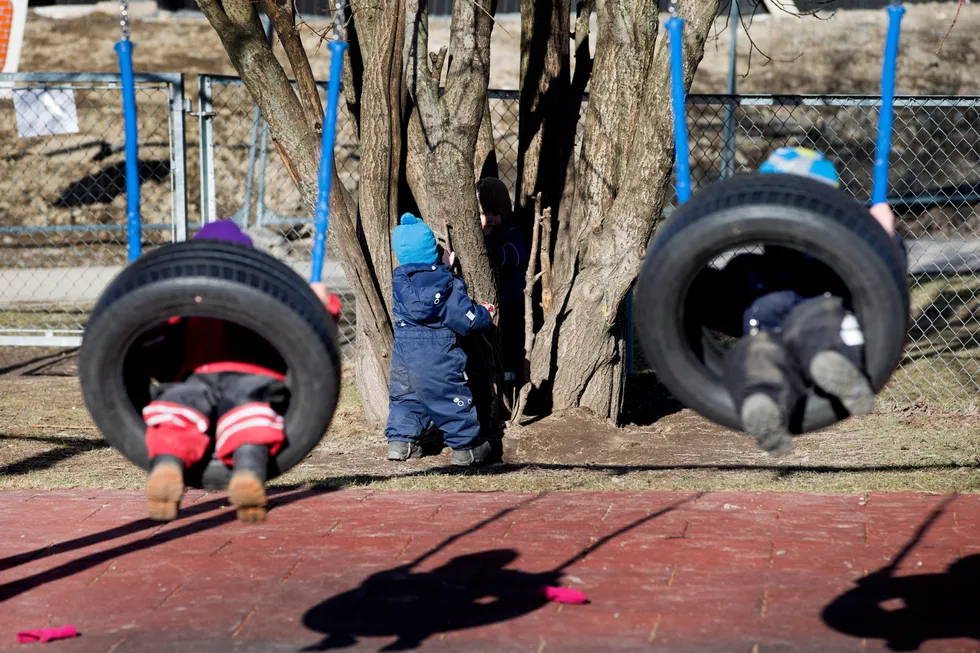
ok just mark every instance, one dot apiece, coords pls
pixel 778 209
pixel 213 279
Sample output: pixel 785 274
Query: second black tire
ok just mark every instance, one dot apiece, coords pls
pixel 220 280
pixel 787 210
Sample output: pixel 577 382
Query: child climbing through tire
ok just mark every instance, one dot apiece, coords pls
pixel 790 314
pixel 432 310
pixel 230 383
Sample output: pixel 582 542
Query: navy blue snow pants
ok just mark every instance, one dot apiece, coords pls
pixel 428 385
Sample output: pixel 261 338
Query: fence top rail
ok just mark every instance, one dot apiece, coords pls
pixel 748 99
pixel 231 80
pixel 98 78
pixel 952 101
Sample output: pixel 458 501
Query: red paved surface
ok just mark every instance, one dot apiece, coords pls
pixel 361 571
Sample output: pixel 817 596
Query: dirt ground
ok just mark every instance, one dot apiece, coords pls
pixel 47 440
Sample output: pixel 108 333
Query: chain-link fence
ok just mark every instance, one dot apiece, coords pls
pixel 243 178
pixel 62 194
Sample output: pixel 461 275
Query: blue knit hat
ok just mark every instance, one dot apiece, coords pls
pixel 414 242
pixel 225 230
pixel 802 161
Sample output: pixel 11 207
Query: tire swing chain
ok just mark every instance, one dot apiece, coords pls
pixel 321 219
pixel 124 20
pixel 682 164
pixel 124 49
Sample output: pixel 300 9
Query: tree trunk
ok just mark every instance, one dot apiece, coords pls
pixel 382 101
pixel 446 130
pixel 621 179
pixel 543 137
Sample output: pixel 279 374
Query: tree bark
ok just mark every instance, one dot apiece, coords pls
pixel 443 151
pixel 284 21
pixel 543 137
pixel 382 102
pixel 620 187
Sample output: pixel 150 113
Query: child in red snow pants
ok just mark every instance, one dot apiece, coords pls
pixel 229 386
pixel 232 401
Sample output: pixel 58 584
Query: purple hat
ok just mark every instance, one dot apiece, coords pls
pixel 225 230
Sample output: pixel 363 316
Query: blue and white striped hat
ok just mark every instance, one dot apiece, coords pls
pixel 802 161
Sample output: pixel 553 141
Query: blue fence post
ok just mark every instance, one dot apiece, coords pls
pixel 885 117
pixel 321 221
pixel 134 236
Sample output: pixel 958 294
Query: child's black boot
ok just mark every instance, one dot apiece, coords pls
pixel 474 456
pixel 400 450
pixel 246 490
pixel 164 487
pixel 765 387
pixel 828 343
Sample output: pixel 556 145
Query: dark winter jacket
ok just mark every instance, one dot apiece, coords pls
pixel 759 290
pixel 185 346
pixel 509 254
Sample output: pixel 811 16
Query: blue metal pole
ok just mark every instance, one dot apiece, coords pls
pixel 321 221
pixel 675 30
pixel 125 51
pixel 884 145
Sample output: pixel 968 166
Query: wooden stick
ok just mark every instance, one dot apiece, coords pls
pixel 545 256
pixel 529 314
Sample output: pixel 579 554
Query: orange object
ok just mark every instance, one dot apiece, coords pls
pixel 6 25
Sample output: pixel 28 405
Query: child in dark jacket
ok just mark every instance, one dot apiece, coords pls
pixel 428 380
pixel 794 327
pixel 229 382
pixel 509 255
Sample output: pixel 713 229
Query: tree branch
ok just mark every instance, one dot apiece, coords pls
pixel 353 74
pixel 284 20
pixel 959 6
pixel 530 279
pixel 417 71
pixel 545 257
pixel 468 74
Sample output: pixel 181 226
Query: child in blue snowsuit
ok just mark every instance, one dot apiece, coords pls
pixel 428 380
pixel 793 325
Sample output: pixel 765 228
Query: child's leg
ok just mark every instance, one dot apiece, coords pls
pixel 177 422
pixel 248 431
pixel 407 418
pixel 765 387
pixel 449 403
pixel 828 344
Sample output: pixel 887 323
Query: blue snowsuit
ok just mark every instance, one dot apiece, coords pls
pixel 428 380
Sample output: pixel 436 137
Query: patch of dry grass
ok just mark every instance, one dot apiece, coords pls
pixel 47 441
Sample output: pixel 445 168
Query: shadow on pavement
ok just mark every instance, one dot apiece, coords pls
pixel 468 591
pixel 907 611
pixel 168 534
